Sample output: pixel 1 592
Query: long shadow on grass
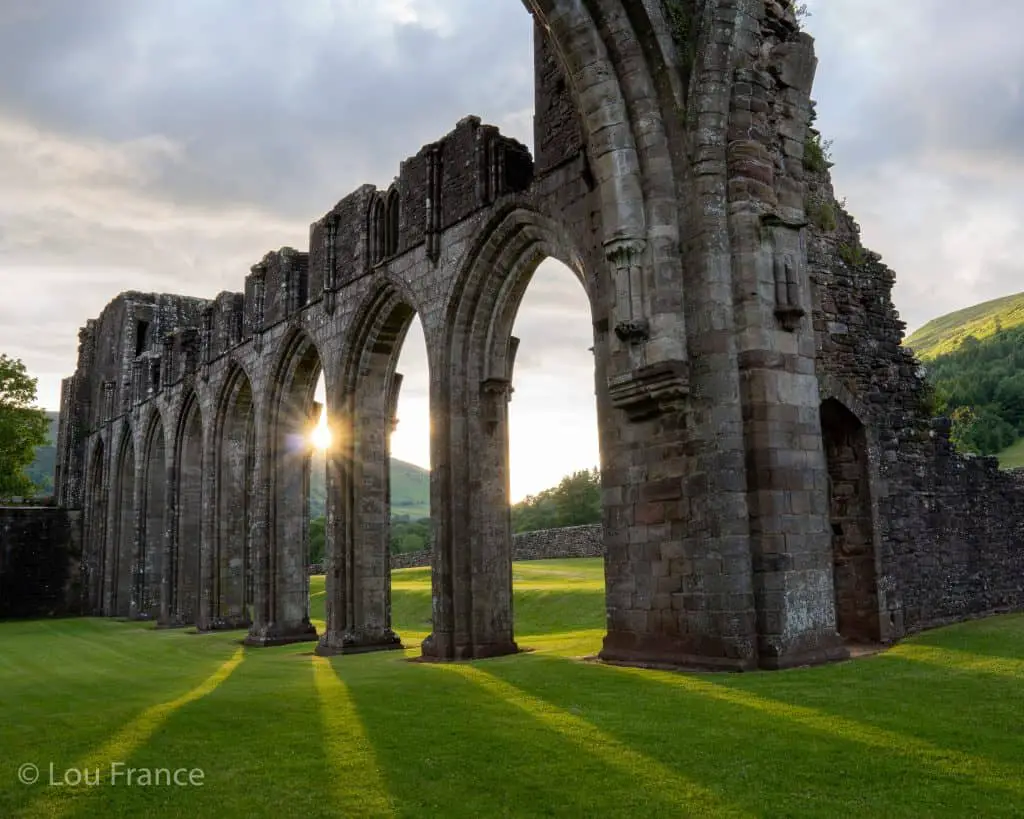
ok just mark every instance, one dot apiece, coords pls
pixel 258 738
pixel 103 763
pixel 770 761
pixel 84 681
pixel 449 747
pixel 950 707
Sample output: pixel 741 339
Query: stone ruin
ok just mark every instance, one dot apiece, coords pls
pixel 773 484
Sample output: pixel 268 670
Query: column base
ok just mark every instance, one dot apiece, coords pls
pixel 445 650
pixel 351 642
pixel 666 653
pixel 226 624
pixel 274 635
pixel 816 656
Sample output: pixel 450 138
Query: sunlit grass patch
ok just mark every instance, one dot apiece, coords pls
pixel 927 728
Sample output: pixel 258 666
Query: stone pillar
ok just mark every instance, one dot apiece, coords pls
pixel 283 567
pixel 471 561
pixel 787 477
pixel 167 543
pixel 359 522
pixel 207 602
pixel 259 526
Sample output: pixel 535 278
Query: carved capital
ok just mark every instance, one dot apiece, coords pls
pixel 496 393
pixel 634 331
pixel 625 253
pixel 651 390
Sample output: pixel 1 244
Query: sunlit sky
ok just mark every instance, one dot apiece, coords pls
pixel 167 145
pixel 552 415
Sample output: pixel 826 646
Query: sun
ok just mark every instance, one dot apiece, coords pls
pixel 320 435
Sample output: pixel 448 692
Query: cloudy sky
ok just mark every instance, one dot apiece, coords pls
pixel 166 145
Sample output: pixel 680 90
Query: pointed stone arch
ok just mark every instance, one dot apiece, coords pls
pixel 184 570
pixel 118 570
pixel 359 492
pixel 154 518
pixel 281 594
pixel 393 221
pixel 95 524
pixel 472 572
pixel 858 598
pixel 234 450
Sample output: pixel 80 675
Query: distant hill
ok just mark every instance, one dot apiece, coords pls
pixel 410 484
pixel 410 489
pixel 946 334
pixel 974 358
pixel 42 468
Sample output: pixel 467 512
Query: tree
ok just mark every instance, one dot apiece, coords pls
pixel 23 427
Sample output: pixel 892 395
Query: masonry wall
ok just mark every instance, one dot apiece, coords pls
pixel 948 527
pixel 543 544
pixel 40 556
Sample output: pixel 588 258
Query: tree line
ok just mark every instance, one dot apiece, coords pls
pixel 980 386
pixel 575 501
pixel 23 427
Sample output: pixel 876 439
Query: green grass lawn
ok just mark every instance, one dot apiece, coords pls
pixel 1012 456
pixel 930 728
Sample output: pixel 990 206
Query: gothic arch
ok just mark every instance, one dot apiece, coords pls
pixel 117 571
pixel 153 518
pixel 392 207
pixel 472 554
pixel 856 567
pixel 358 510
pixel 234 446
pixel 95 521
pixel 184 564
pixel 281 587
pixel 376 228
pixel 494 278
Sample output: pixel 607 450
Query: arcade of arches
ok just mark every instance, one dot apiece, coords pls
pixel 740 512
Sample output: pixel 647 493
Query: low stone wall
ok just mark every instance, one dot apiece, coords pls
pixel 544 544
pixel 40 562
pixel 958 552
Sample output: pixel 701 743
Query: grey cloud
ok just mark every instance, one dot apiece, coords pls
pixel 267 106
pixel 923 101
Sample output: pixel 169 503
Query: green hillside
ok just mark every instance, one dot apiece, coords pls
pixel 410 484
pixel 975 361
pixel 42 468
pixel 410 489
pixel 945 334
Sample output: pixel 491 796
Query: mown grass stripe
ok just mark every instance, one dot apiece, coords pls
pixel 350 753
pixel 694 799
pixel 56 801
pixel 986 772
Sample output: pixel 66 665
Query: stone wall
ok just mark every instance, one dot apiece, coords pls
pixel 543 544
pixel 942 533
pixel 40 557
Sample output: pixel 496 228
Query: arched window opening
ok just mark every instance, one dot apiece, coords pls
pixel 378 225
pixel 409 447
pixel 393 221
